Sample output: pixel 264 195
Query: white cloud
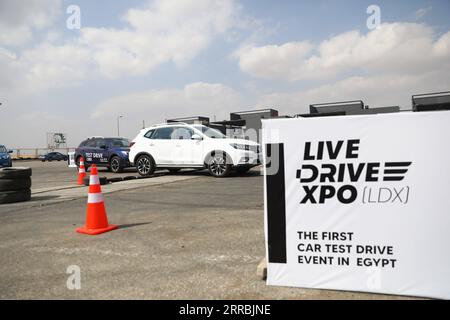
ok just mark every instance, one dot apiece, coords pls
pixel 203 99
pixel 273 61
pixel 393 48
pixel 164 31
pixel 42 67
pixel 55 66
pixel 18 19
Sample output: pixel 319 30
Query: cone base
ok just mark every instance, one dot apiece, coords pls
pixel 80 180
pixel 93 232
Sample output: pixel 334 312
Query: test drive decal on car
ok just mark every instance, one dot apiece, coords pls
pixel 106 152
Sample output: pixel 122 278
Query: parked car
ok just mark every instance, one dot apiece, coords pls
pixel 53 156
pixel 178 145
pixel 5 157
pixel 104 152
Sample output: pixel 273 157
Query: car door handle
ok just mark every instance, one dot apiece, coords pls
pixel 152 144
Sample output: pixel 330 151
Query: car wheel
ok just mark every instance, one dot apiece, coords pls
pixel 145 165
pixel 174 170
pixel 15 173
pixel 114 164
pixel 15 196
pixel 15 184
pixel 218 165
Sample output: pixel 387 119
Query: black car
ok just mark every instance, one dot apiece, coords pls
pixel 106 152
pixel 53 156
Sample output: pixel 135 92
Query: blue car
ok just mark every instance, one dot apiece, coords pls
pixel 111 153
pixel 53 156
pixel 5 158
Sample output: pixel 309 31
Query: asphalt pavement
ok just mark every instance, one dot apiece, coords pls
pixel 187 236
pixel 57 173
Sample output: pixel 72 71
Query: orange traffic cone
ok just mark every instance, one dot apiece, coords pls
pixel 81 172
pixel 96 219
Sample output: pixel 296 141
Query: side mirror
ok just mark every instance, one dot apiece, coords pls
pixel 196 137
pixel 10 151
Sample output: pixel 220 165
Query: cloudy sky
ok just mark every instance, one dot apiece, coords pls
pixel 155 59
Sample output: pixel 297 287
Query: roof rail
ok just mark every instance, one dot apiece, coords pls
pixel 96 137
pixel 168 124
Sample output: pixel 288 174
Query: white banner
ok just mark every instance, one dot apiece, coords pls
pixel 359 203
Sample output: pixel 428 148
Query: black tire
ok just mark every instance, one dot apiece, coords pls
pixel 174 170
pixel 15 173
pixel 103 181
pixel 15 184
pixel 242 170
pixel 115 165
pixel 145 165
pixel 219 164
pixel 15 196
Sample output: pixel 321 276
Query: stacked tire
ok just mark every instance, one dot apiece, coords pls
pixel 15 184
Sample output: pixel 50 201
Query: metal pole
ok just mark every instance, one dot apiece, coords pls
pixel 118 125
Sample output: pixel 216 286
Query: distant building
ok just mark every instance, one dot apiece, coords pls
pixel 431 101
pixel 344 108
pixel 337 107
pixel 252 121
pixel 243 124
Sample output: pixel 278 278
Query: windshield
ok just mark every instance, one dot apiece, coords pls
pixel 118 143
pixel 3 149
pixel 210 132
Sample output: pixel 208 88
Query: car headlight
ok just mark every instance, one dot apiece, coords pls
pixel 239 146
pixel 125 153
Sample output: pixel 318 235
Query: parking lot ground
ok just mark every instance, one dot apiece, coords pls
pixel 57 173
pixel 194 238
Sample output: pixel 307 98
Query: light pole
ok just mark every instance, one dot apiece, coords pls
pixel 118 125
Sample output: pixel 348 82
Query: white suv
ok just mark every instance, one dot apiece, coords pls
pixel 178 145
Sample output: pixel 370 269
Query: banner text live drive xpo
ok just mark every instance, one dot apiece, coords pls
pixel 359 203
